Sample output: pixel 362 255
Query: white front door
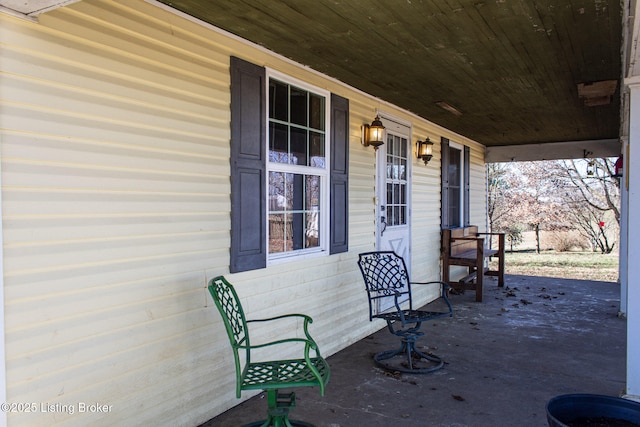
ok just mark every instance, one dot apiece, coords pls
pixel 393 190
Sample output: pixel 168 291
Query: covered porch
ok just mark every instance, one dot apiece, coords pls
pixel 537 338
pixel 117 162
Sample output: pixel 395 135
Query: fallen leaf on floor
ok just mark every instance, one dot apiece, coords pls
pixel 393 374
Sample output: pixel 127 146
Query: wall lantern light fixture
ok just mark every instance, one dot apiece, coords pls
pixel 424 150
pixel 373 134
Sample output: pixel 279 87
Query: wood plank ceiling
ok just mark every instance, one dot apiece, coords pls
pixel 514 71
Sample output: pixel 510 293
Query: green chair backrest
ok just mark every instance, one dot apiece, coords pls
pixel 228 303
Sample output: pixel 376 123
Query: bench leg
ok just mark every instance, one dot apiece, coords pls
pixel 479 278
pixel 501 260
pixel 445 271
pixel 501 271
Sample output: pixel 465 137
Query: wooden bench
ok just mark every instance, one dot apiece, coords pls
pixel 466 247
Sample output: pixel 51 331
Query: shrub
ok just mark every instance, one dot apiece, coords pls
pixel 565 241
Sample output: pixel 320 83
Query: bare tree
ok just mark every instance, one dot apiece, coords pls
pixel 594 180
pixel 499 186
pixel 593 200
pixel 540 201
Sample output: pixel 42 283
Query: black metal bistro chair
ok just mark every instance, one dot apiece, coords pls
pixel 389 289
pixel 309 370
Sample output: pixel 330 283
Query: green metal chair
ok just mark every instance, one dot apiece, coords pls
pixel 307 371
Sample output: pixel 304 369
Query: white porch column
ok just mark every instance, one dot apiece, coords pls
pixel 623 248
pixel 633 244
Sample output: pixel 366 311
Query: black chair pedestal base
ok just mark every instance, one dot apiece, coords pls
pixel 278 413
pixel 409 359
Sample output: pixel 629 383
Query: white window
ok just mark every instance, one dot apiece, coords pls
pixel 456 199
pixel 297 168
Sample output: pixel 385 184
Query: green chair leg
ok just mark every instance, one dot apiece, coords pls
pixel 278 412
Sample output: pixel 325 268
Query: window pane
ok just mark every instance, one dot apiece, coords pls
pixel 278 143
pixel 279 233
pixel 312 212
pixel 454 207
pixel 313 192
pixel 455 180
pixel 277 192
pixel 313 230
pixel 294 211
pixel 454 167
pixel 316 112
pixel 278 100
pixel 316 150
pixel 298 106
pixel 298 147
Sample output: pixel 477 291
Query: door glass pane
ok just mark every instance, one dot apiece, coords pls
pixel 396 180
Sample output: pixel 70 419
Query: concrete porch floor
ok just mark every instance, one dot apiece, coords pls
pixel 534 339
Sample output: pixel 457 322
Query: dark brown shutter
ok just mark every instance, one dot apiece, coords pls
pixel 248 166
pixel 444 192
pixel 339 181
pixel 467 185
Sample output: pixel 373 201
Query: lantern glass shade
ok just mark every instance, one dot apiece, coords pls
pixel 373 134
pixel 424 150
pixel 376 131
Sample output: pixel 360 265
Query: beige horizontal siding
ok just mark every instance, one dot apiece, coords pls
pixel 116 199
pixel 116 212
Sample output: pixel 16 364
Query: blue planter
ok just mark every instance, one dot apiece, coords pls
pixel 569 407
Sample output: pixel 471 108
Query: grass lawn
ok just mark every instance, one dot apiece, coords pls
pixel 570 265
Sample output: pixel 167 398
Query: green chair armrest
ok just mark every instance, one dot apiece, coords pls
pixel 305 326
